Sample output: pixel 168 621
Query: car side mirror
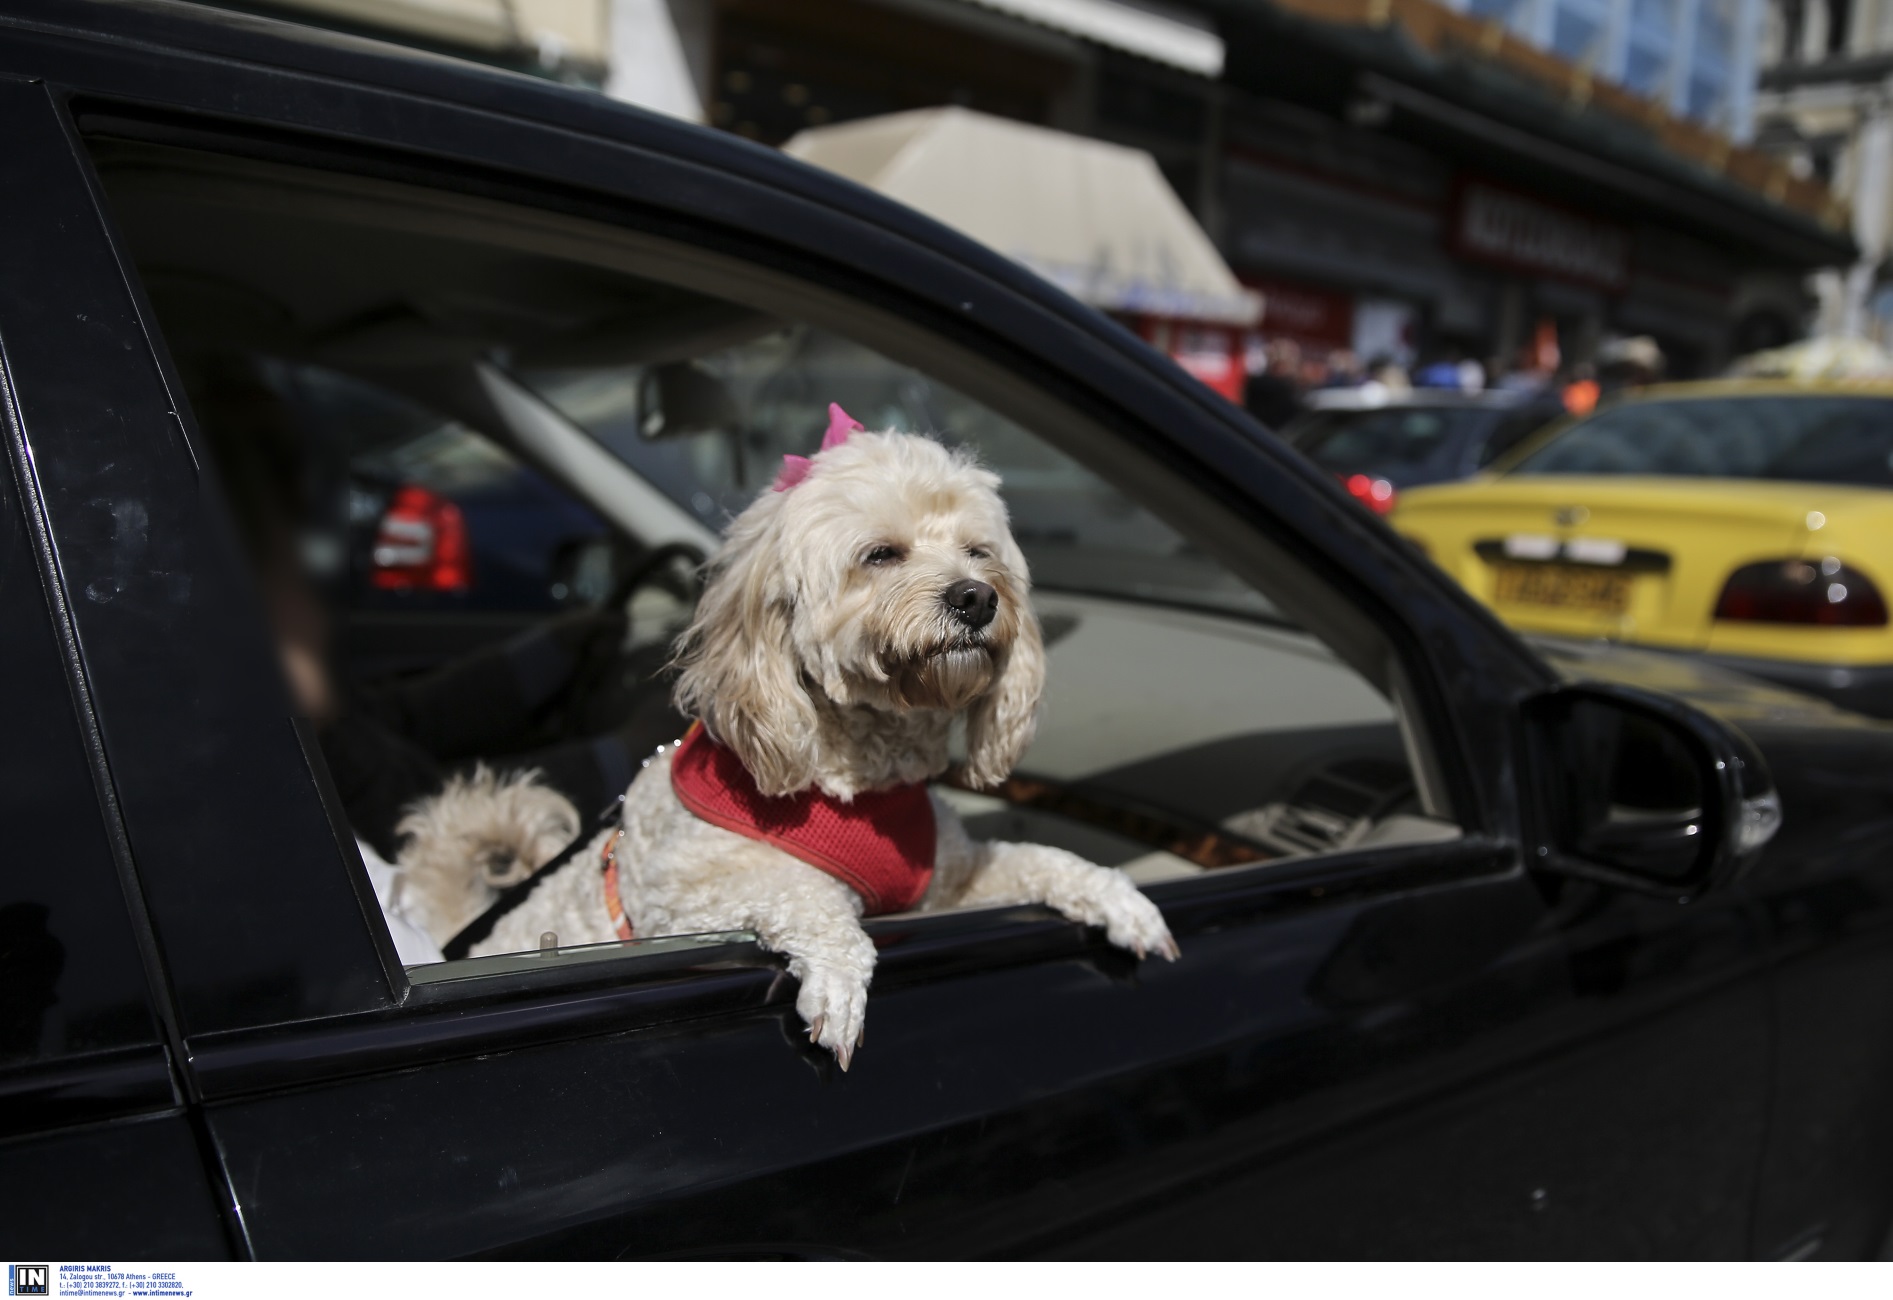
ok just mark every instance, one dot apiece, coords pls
pixel 1644 792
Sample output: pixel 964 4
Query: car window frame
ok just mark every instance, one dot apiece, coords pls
pixel 1477 845
pixel 154 630
pixel 51 1090
pixel 996 385
pixel 752 281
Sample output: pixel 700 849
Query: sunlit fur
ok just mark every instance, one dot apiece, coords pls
pixel 820 665
pixel 821 668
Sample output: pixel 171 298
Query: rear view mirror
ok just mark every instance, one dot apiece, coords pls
pixel 1641 791
pixel 680 399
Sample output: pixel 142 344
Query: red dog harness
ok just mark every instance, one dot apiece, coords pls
pixel 880 845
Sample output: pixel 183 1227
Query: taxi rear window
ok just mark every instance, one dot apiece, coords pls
pixel 1812 439
pixel 1405 444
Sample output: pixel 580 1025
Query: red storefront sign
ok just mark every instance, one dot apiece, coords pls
pixel 1530 235
pixel 1315 318
pixel 1212 353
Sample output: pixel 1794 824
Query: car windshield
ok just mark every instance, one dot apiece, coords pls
pixel 1805 439
pixel 1404 445
pixel 711 432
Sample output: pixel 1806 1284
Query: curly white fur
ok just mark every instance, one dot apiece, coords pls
pixel 824 654
pixel 480 834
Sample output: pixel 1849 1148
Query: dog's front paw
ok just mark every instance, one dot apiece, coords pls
pixel 1132 921
pixel 834 1003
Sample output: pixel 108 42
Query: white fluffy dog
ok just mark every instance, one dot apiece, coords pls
pixel 467 843
pixel 853 615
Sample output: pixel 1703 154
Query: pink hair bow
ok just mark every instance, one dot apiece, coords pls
pixel 796 468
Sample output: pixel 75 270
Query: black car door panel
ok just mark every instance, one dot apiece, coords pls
pixel 1826 1189
pixel 1301 1084
pixel 127 1189
pixel 231 838
pixel 92 1122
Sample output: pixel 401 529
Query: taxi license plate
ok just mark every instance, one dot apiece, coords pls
pixel 1563 586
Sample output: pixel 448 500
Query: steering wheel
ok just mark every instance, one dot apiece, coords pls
pixel 651 565
pixel 610 687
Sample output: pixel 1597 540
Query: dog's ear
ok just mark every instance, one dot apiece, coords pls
pixel 737 668
pixel 1001 722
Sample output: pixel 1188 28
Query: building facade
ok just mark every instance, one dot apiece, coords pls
pixel 1695 57
pixel 1407 178
pixel 1826 108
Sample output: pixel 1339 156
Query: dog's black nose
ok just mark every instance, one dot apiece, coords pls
pixel 973 603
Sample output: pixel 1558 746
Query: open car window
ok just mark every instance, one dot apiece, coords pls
pixel 711 431
pixel 520 431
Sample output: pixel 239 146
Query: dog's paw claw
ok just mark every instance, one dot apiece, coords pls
pixel 834 1002
pixel 1135 923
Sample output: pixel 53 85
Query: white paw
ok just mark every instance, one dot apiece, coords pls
pixel 834 1003
pixel 1132 921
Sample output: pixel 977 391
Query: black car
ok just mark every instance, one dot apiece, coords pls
pixel 1380 443
pixel 1488 949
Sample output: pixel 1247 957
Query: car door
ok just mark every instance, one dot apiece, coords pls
pixel 1825 1193
pixel 1420 1049
pixel 88 1085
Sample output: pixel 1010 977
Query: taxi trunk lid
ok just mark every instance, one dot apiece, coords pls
pixel 1635 560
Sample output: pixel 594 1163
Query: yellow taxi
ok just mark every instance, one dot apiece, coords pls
pixel 1748 521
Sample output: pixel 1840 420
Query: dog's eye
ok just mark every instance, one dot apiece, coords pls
pixel 978 552
pixel 883 555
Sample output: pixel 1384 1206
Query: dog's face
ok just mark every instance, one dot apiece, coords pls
pixel 904 594
pixel 887 578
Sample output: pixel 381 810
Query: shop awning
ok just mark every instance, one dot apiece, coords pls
pixel 1099 220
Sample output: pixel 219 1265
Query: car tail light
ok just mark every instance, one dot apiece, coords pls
pixel 421 544
pixel 1374 493
pixel 1824 592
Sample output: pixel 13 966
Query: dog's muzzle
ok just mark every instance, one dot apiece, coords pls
pixel 971 603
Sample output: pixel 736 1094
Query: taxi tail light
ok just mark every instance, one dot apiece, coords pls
pixel 1822 592
pixel 1376 494
pixel 421 544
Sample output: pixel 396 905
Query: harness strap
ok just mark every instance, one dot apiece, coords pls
pixel 614 905
pixel 512 896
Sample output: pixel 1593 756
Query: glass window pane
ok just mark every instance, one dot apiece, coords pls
pixel 1646 69
pixel 1576 30
pixel 1805 439
pixel 1503 11
pixel 1077 531
pixel 1653 22
pixel 1405 446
